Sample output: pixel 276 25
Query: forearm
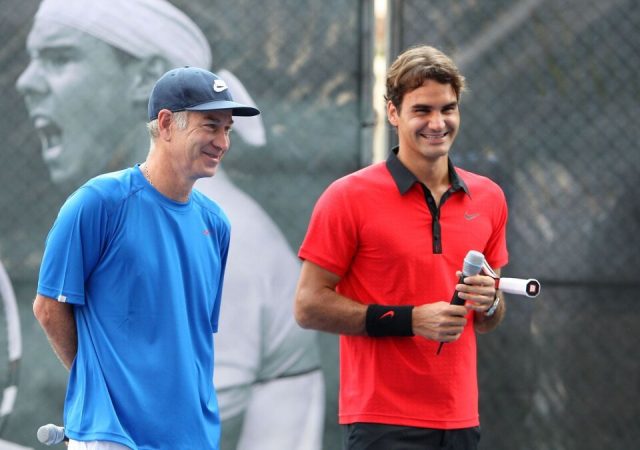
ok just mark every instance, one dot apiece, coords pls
pixel 319 306
pixel 326 310
pixel 65 347
pixel 63 343
pixel 58 323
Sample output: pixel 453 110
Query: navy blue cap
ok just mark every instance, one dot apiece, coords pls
pixel 194 89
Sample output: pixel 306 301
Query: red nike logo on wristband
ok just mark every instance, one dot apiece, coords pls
pixel 387 314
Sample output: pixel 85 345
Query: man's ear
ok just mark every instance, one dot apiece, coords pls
pixel 145 73
pixel 165 118
pixel 392 113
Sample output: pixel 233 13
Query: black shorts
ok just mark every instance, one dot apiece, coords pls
pixel 376 436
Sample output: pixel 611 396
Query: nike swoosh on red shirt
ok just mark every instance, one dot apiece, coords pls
pixel 470 216
pixel 388 314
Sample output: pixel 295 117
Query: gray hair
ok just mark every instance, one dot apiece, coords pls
pixel 181 119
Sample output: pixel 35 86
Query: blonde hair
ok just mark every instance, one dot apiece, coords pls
pixel 415 66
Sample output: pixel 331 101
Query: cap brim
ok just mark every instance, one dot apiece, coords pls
pixel 237 109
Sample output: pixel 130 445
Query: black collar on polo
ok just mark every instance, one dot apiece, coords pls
pixel 404 178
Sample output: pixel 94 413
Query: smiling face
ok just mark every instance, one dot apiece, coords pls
pixel 200 147
pixel 427 123
pixel 75 90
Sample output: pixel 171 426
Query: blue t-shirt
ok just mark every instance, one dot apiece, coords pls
pixel 144 274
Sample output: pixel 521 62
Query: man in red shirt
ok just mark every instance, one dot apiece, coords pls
pixel 382 257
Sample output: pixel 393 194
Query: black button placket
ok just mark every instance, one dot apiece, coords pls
pixel 435 216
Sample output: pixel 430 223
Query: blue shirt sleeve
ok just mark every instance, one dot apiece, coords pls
pixel 73 247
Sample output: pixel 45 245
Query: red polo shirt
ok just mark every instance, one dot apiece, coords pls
pixel 380 231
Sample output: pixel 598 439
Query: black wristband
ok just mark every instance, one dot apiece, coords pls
pixel 389 321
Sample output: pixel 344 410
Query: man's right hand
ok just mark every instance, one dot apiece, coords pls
pixel 439 321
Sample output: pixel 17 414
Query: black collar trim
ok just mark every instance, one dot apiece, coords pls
pixel 405 179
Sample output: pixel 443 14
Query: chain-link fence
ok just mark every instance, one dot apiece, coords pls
pixel 554 94
pixel 300 61
pixel 551 115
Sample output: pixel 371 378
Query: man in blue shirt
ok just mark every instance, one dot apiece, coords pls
pixel 131 279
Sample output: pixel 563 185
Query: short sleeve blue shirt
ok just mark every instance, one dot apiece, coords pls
pixel 144 274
